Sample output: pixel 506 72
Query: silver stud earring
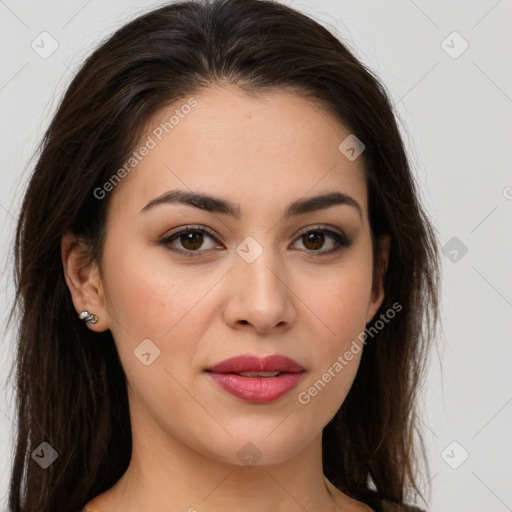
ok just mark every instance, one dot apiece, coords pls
pixel 87 317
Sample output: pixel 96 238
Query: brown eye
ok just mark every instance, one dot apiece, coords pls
pixel 191 240
pixel 314 240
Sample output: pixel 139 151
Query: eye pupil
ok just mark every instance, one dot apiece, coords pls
pixel 314 237
pixel 193 237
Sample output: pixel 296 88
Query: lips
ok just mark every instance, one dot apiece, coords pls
pixel 248 363
pixel 257 380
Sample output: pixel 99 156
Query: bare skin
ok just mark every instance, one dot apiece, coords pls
pixel 300 297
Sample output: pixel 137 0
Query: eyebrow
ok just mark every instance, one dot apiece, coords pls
pixel 217 205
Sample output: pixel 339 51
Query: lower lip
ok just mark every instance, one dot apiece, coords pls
pixel 257 390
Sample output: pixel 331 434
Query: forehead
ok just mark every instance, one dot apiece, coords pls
pixel 256 150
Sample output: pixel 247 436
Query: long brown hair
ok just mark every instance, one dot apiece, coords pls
pixel 70 385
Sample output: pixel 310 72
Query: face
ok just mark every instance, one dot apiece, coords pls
pixel 183 287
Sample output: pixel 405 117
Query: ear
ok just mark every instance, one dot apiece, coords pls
pixel 83 280
pixel 380 269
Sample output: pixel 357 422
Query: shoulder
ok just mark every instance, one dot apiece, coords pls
pixel 89 508
pixel 379 504
pixel 382 506
pixel 389 506
pixel 372 503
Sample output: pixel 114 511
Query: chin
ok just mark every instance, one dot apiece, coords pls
pixel 260 447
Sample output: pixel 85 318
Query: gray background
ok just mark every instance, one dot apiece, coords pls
pixel 455 112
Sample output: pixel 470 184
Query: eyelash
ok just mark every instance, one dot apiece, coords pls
pixel 342 240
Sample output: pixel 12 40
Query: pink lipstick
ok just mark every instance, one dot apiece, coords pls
pixel 257 380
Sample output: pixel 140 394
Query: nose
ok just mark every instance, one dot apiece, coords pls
pixel 260 295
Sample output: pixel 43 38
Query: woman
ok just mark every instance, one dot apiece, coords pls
pixel 227 285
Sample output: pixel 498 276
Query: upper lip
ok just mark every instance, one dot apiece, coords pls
pixel 251 363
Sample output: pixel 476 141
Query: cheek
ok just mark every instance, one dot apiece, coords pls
pixel 342 305
pixel 147 294
pixel 346 299
pixel 339 307
pixel 340 299
pixel 151 300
